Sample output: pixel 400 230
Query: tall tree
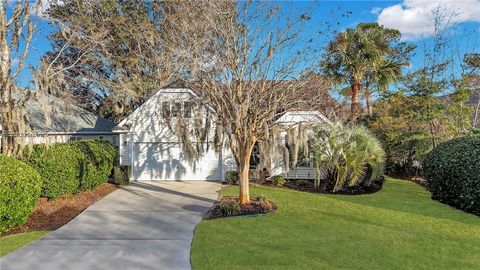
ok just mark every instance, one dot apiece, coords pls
pixel 17 26
pixel 365 56
pixel 113 54
pixel 242 58
pixel 250 58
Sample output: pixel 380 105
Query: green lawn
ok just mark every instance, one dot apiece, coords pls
pixel 399 227
pixel 12 242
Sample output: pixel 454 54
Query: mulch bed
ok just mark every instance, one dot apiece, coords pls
pixel 230 206
pixel 52 214
pixel 358 190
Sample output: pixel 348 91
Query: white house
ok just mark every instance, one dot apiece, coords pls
pixel 54 120
pixel 149 146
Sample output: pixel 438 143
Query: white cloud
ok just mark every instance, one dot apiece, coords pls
pixel 413 17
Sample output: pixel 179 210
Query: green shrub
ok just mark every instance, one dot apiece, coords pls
pixel 72 167
pixel 232 177
pixel 99 159
pixel 19 191
pixel 303 183
pixel 229 208
pixel 278 180
pixel 346 156
pixel 452 171
pixel 121 175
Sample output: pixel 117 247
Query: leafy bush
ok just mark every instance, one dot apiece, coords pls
pixel 278 180
pixel 452 171
pixel 19 191
pixel 98 163
pixel 121 175
pixel 303 183
pixel 229 208
pixel 232 177
pixel 346 156
pixel 72 167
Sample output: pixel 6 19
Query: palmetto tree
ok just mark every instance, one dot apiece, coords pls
pixel 345 154
pixel 365 54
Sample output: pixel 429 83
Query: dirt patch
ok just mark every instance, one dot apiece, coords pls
pixel 307 186
pixel 230 206
pixel 52 214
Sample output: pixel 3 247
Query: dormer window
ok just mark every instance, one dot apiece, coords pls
pixel 175 109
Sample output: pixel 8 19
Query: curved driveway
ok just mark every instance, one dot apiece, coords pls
pixel 140 226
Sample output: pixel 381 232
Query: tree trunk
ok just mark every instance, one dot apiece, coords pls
pixel 354 106
pixel 368 101
pixel 243 172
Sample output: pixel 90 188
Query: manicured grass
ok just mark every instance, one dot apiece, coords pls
pixel 12 242
pixel 399 227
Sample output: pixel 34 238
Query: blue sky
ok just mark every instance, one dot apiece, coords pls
pixel 411 17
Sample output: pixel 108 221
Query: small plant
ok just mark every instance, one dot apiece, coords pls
pixel 278 180
pixel 229 208
pixel 303 183
pixel 232 177
pixel 261 198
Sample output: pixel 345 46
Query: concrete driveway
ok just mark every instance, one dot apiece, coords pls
pixel 146 225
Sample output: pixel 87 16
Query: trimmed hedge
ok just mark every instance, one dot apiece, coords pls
pixel 72 167
pixel 19 191
pixel 121 175
pixel 452 171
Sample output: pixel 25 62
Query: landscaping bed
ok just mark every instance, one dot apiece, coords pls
pixel 230 206
pixel 307 186
pixel 52 214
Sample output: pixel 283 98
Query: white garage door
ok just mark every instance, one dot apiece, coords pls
pixel 166 161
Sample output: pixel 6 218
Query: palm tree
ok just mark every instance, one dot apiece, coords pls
pixel 379 78
pixel 345 154
pixel 365 54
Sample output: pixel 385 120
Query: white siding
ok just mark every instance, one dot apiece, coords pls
pixel 167 161
pixel 144 146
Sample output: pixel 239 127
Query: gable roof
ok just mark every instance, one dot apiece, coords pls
pixel 47 113
pixel 297 117
pixel 125 123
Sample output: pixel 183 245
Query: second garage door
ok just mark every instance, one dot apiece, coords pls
pixel 166 161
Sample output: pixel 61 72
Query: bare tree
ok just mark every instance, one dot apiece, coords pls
pixel 245 63
pixel 16 31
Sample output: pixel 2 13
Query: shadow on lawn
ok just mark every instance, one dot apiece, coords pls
pixel 402 196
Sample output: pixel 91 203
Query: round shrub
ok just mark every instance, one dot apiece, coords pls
pixel 19 191
pixel 121 175
pixel 278 180
pixel 232 177
pixel 452 171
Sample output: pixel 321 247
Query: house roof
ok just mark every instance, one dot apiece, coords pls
pixel 47 113
pixel 296 117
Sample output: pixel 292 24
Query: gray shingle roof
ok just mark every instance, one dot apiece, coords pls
pixel 51 114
